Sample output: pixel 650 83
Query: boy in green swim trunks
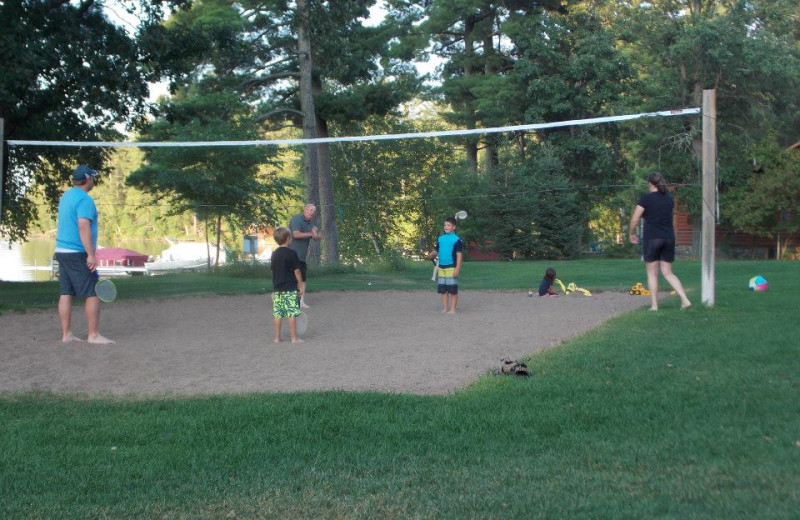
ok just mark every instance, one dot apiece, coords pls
pixel 286 280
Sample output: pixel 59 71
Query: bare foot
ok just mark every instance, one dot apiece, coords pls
pixel 451 312
pixel 444 311
pixel 653 308
pixel 276 340
pixel 304 306
pixel 70 337
pixel 100 340
pixel 297 340
pixel 686 306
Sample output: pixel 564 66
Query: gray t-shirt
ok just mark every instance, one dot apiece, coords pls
pixel 300 245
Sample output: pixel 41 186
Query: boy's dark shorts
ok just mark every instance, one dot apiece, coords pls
pixel 447 282
pixel 659 249
pixel 74 278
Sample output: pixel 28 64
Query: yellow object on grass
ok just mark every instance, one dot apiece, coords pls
pixel 572 287
pixel 639 290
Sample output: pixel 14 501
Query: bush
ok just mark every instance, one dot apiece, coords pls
pixel 534 211
pixel 244 269
pixel 624 250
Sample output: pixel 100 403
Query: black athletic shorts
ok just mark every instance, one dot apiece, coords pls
pixel 303 268
pixel 659 249
pixel 74 278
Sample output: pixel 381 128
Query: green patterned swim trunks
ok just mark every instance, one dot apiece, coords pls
pixel 285 304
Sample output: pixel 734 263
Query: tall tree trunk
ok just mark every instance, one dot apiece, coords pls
pixel 490 70
pixel 469 100
pixel 208 247
pixel 219 236
pixel 330 238
pixel 521 144
pixel 310 159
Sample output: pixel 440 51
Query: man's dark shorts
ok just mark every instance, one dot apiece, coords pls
pixel 75 279
pixel 659 249
pixel 303 268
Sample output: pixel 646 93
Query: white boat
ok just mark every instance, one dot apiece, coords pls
pixel 184 256
pixel 164 266
pixel 191 251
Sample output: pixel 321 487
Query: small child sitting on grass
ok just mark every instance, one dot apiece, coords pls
pixel 286 280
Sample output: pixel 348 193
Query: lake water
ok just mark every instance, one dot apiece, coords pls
pixel 17 261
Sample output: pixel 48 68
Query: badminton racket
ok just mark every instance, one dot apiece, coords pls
pixel 302 323
pixel 105 290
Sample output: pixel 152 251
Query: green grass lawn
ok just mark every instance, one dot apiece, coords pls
pixel 653 415
pixel 594 274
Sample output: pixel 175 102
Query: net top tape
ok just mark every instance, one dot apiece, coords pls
pixel 350 139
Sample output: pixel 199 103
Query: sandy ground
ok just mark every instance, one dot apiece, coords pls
pixel 384 341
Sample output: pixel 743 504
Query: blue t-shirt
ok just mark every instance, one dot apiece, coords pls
pixel 448 245
pixel 75 204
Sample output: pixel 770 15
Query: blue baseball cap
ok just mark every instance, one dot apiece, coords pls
pixel 82 172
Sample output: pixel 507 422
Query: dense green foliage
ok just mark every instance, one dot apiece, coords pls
pixel 768 205
pixel 745 51
pixel 393 195
pixel 66 73
pixel 670 415
pixel 498 63
pixel 236 183
pixel 257 50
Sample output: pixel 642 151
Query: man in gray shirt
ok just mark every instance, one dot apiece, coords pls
pixel 303 230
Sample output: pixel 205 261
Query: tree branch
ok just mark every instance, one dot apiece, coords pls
pixel 281 127
pixel 273 113
pixel 255 82
pixel 85 5
pixel 55 4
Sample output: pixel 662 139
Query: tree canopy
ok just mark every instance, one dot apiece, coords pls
pixel 251 69
pixel 66 73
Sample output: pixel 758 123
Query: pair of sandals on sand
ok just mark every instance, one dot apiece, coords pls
pixel 509 367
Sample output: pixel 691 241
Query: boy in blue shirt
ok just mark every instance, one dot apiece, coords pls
pixel 450 250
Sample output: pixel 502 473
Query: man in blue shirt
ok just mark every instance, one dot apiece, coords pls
pixel 76 243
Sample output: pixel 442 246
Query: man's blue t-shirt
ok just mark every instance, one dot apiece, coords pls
pixel 448 245
pixel 75 204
